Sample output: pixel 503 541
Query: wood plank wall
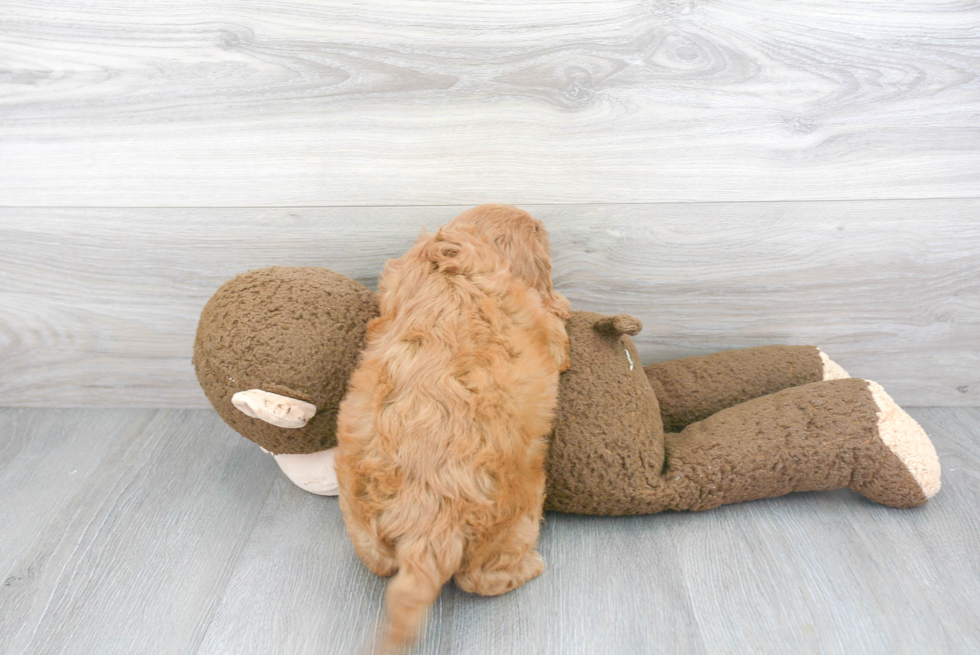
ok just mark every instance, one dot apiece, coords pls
pixel 734 173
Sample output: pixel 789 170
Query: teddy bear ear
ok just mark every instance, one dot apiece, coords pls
pixel 618 325
pixel 273 408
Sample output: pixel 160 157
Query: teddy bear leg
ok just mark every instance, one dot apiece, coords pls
pixel 694 388
pixel 374 551
pixel 820 436
pixel 313 472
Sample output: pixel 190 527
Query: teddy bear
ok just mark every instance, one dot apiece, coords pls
pixel 275 348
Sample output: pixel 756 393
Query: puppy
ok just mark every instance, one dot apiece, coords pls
pixel 442 432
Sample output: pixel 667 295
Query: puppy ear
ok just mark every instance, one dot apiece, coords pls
pixel 449 254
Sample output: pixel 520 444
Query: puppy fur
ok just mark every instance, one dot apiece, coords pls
pixel 443 430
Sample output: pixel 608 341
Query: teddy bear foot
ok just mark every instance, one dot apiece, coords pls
pixel 906 472
pixel 907 440
pixel 831 369
pixel 313 472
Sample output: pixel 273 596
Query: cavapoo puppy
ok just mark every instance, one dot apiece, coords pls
pixel 442 432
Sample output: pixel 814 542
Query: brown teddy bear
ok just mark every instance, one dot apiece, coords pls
pixel 275 348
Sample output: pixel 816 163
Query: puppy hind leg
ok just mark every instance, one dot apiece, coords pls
pixel 375 557
pixel 373 551
pixel 507 564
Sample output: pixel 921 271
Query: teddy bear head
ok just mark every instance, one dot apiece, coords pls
pixel 291 333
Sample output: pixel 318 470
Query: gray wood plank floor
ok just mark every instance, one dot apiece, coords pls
pixel 161 531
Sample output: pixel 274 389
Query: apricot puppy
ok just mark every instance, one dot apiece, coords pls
pixel 442 432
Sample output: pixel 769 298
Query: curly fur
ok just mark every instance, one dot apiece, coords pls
pixel 442 432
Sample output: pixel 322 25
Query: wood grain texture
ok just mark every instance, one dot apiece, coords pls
pixel 232 103
pixel 610 587
pixel 300 588
pixel 99 306
pixel 134 557
pixel 177 536
pixel 46 460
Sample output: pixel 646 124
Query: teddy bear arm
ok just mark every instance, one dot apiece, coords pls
pixel 694 388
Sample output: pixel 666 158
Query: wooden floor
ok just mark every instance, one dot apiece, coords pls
pixel 161 531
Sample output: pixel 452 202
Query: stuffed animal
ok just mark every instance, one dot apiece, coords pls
pixel 275 348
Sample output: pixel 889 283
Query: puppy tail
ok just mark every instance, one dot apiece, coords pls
pixel 421 574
